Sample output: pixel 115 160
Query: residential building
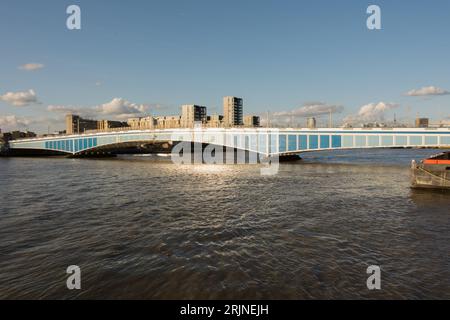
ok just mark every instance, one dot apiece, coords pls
pixel 104 125
pixel 251 121
pixel 142 123
pixel 233 111
pixel 422 122
pixel 192 114
pixel 214 121
pixel 75 124
pixel 168 122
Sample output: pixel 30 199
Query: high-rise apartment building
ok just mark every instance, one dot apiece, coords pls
pixel 233 111
pixel 191 114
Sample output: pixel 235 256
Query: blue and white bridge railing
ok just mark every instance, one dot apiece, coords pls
pixel 268 141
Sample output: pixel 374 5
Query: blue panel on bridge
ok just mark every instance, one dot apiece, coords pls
pixel 262 143
pixel 415 140
pixel 313 142
pixel 282 143
pixel 431 140
pixel 253 142
pixel 303 142
pixel 360 141
pixel 273 143
pixel 387 141
pixel 336 141
pixel 324 142
pixel 292 142
pixel 247 143
pixel 347 141
pixel 445 140
pixel 373 141
pixel 401 141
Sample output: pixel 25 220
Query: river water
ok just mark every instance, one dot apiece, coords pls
pixel 142 227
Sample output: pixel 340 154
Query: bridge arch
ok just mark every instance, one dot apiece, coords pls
pixel 267 141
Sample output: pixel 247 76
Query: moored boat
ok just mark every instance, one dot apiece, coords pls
pixel 433 172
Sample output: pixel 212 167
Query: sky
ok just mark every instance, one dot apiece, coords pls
pixel 291 58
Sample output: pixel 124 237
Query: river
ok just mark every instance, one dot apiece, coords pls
pixel 143 227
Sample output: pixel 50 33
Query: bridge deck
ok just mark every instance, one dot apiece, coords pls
pixel 260 140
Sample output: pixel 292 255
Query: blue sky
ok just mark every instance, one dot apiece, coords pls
pixel 282 56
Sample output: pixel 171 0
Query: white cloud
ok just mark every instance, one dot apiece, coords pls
pixel 372 112
pixel 20 99
pixel 117 108
pixel 310 109
pixel 121 108
pixel 11 122
pixel 39 124
pixel 427 91
pixel 31 66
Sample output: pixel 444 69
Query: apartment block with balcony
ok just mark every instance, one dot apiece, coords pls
pixel 168 122
pixel 192 114
pixel 142 123
pixel 233 111
pixel 104 125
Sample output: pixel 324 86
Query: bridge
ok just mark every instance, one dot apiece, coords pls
pixel 265 141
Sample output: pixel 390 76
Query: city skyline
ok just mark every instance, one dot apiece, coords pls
pixel 295 60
